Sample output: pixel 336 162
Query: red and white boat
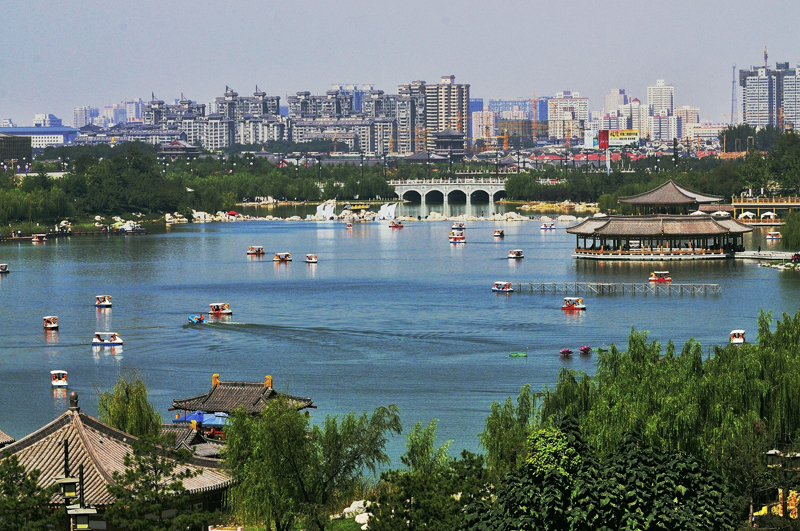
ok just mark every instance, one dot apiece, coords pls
pixel 660 276
pixel 457 236
pixel 102 301
pixel 220 308
pixel 515 254
pixel 282 257
pixel 499 233
pixel 396 224
pixel 573 304
pixel 255 250
pixel 737 337
pixel 50 322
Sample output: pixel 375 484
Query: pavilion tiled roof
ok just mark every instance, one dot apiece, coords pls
pixel 5 439
pixel 644 226
pixel 227 396
pixel 670 193
pixel 101 450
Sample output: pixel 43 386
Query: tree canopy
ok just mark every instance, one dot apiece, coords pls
pixel 289 471
pixel 149 494
pixel 24 505
pixel 127 408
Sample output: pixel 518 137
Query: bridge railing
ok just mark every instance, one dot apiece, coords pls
pixel 454 180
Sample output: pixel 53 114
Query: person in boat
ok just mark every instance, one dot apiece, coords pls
pixel 97 337
pixel 113 337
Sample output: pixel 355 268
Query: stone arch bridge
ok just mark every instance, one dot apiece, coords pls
pixel 455 188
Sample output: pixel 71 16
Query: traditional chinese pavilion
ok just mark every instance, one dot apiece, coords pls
pixel 669 198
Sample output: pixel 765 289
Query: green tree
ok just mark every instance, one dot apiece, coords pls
pixel 288 470
pixel 637 487
pixel 24 505
pixel 791 230
pixel 152 484
pixel 506 430
pixel 127 408
pixel 422 456
pixel 434 489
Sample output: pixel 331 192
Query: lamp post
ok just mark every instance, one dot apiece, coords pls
pixel 361 165
pixel 497 164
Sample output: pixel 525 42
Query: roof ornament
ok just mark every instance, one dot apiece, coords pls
pixel 73 402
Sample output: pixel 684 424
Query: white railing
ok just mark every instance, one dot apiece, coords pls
pixel 454 180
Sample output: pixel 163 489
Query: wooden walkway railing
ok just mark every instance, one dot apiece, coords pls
pixel 606 288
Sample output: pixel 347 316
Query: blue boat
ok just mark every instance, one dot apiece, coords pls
pixel 197 319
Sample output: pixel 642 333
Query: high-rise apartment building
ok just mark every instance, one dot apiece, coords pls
pixel 660 98
pixel 83 116
pixel 446 107
pixel 613 101
pixel 567 114
pixel 484 126
pixel 791 100
pixel 760 98
pixel 525 105
pixel 356 92
pixel 764 98
pixel 687 115
pixel 133 110
pixel 46 120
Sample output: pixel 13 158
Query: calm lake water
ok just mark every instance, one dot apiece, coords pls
pixel 386 316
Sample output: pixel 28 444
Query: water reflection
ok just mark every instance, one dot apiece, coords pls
pixel 51 336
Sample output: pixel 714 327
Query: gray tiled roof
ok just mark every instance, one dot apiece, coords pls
pixel 227 396
pixel 5 439
pixel 100 449
pixel 670 193
pixel 658 226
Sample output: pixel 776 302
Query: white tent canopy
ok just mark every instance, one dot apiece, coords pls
pixel 769 215
pixel 747 214
pixel 721 213
pixel 697 213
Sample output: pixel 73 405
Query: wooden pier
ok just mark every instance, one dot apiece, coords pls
pixel 608 288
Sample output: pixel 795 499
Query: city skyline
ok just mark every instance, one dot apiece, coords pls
pixel 101 54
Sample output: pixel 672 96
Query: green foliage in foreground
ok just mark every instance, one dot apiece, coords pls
pixel 152 483
pixel 127 408
pixel 636 488
pixel 288 471
pixel 24 505
pixel 790 232
pixel 432 492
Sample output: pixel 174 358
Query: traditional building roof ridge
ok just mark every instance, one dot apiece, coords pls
pixel 657 225
pixel 670 193
pixel 222 398
pixel 5 438
pixel 101 450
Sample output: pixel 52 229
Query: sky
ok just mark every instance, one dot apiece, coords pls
pixel 57 55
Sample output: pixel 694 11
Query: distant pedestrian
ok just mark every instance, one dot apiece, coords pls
pixel 759 249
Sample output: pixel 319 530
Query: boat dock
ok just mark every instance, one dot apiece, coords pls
pixel 612 288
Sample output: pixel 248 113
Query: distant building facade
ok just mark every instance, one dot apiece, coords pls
pixel 16 148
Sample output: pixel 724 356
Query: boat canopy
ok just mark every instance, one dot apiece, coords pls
pixel 570 299
pixel 737 332
pixel 59 372
pixel 106 334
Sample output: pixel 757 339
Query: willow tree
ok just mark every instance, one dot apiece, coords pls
pixel 288 471
pixel 127 408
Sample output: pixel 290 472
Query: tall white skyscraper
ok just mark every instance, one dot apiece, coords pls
pixel 446 107
pixel 614 100
pixel 660 98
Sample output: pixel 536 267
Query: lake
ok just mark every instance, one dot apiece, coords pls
pixel 387 315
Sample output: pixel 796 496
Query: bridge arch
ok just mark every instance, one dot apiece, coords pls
pixel 410 195
pixel 434 196
pixel 457 196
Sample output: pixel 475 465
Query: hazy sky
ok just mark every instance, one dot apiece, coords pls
pixel 58 55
